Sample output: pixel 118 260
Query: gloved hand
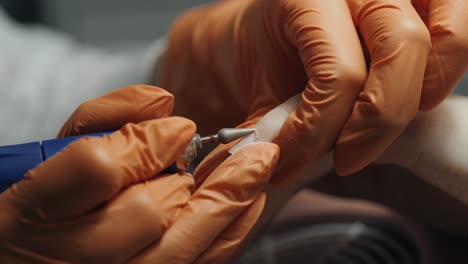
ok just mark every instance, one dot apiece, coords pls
pixel 247 56
pixel 223 209
pixel 98 200
pixel 221 212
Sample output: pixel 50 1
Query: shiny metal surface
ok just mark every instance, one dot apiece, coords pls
pixel 225 135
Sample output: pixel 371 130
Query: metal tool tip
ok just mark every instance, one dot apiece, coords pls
pixel 227 135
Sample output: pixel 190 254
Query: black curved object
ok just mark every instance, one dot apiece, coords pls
pixel 24 11
pixel 335 243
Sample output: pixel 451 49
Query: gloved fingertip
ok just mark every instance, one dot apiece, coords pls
pixel 150 89
pixel 162 98
pixel 266 150
pixel 165 136
pixel 171 128
pixel 264 155
pixel 431 98
pixel 183 124
pixel 139 90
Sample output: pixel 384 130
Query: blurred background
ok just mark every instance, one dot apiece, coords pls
pixel 111 24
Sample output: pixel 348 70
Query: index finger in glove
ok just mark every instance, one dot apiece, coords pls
pixel 226 244
pixel 447 21
pixel 232 188
pixel 399 46
pixel 92 170
pixel 110 112
pixel 331 53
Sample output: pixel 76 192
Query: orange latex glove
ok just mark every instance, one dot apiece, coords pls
pixel 221 212
pixel 247 56
pixel 98 200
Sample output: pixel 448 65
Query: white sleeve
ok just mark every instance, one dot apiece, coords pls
pixel 44 76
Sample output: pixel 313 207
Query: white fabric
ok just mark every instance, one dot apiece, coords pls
pixel 270 124
pixel 45 75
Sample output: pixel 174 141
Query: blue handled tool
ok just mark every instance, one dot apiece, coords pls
pixel 16 160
